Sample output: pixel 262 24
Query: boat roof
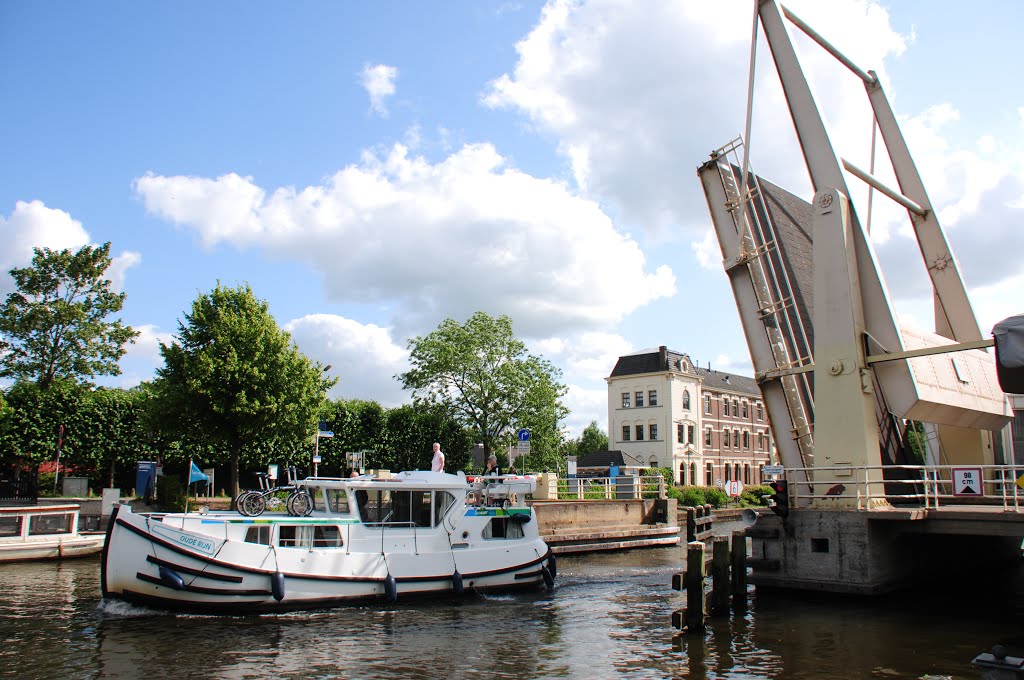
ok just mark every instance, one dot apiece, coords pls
pixel 415 479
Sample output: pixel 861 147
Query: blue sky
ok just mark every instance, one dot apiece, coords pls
pixel 371 169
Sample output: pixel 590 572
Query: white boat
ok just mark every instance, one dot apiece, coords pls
pixel 386 539
pixel 40 532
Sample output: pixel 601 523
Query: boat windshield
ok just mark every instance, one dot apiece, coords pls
pixel 398 508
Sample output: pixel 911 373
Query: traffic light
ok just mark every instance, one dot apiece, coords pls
pixel 780 494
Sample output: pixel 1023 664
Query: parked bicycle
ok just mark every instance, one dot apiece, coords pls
pixel 254 502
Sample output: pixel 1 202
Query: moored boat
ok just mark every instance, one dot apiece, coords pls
pixel 41 532
pixel 364 538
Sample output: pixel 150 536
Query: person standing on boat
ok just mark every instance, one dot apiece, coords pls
pixel 491 469
pixel 437 464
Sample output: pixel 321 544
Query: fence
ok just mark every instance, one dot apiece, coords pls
pixel 622 487
pixel 925 486
pixel 21 491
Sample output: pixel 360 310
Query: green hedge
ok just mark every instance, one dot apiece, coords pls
pixel 752 496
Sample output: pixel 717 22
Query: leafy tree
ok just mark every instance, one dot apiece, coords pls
pixel 411 431
pixel 54 325
pixel 34 421
pixel 110 434
pixel 237 382
pixel 483 375
pixel 592 439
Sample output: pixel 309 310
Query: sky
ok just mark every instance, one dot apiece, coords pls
pixel 372 169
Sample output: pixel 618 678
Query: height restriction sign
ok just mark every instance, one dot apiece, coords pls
pixel 967 481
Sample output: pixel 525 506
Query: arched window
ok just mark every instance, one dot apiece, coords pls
pixel 693 473
pixel 654 461
pixel 682 474
pixel 686 399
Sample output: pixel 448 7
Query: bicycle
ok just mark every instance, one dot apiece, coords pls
pixel 254 502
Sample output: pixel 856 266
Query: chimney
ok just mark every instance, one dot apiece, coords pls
pixel 663 357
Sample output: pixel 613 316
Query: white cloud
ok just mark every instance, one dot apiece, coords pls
pixel 634 116
pixel 33 225
pixel 379 82
pixel 364 356
pixel 433 240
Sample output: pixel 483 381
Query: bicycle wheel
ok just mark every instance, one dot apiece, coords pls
pixel 240 502
pixel 300 503
pixel 254 505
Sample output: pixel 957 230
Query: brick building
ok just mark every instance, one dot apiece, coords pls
pixel 709 427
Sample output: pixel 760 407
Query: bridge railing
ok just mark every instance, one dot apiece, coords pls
pixel 924 486
pixel 611 488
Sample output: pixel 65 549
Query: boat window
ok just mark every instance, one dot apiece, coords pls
pixel 327 536
pixel 49 524
pixel 309 536
pixel 442 501
pixel 395 509
pixel 502 528
pixel 337 501
pixel 10 526
pixel 258 534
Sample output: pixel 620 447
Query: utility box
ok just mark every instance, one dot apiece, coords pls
pixel 145 479
pixel 75 487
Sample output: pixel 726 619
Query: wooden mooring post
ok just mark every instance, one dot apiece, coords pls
pixel 691 617
pixel 728 581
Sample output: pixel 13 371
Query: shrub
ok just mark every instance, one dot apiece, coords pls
pixel 703 495
pixel 755 496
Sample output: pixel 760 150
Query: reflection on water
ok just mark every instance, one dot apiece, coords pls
pixel 609 617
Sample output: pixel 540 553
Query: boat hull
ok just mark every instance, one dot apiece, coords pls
pixel 155 562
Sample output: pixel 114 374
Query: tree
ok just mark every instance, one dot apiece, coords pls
pixel 592 439
pixel 54 325
pixel 237 382
pixel 483 375
pixel 35 419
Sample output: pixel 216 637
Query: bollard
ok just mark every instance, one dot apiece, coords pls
pixel 739 569
pixel 696 601
pixel 720 576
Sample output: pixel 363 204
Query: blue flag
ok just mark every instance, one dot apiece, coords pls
pixel 196 475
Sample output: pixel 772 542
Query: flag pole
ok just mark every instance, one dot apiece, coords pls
pixel 188 487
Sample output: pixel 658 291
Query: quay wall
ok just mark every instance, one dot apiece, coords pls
pixel 583 515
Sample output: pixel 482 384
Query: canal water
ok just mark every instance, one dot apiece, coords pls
pixel 608 617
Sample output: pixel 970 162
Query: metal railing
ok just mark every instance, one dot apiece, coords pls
pixel 922 486
pixel 611 488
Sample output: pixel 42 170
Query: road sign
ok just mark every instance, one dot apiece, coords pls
pixel 523 446
pixel 774 470
pixel 967 481
pixel 1020 481
pixel 734 488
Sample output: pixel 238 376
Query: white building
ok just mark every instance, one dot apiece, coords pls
pixel 709 427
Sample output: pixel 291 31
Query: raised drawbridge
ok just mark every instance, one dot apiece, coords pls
pixel 841 380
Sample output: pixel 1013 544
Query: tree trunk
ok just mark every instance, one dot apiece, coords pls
pixel 113 466
pixel 233 485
